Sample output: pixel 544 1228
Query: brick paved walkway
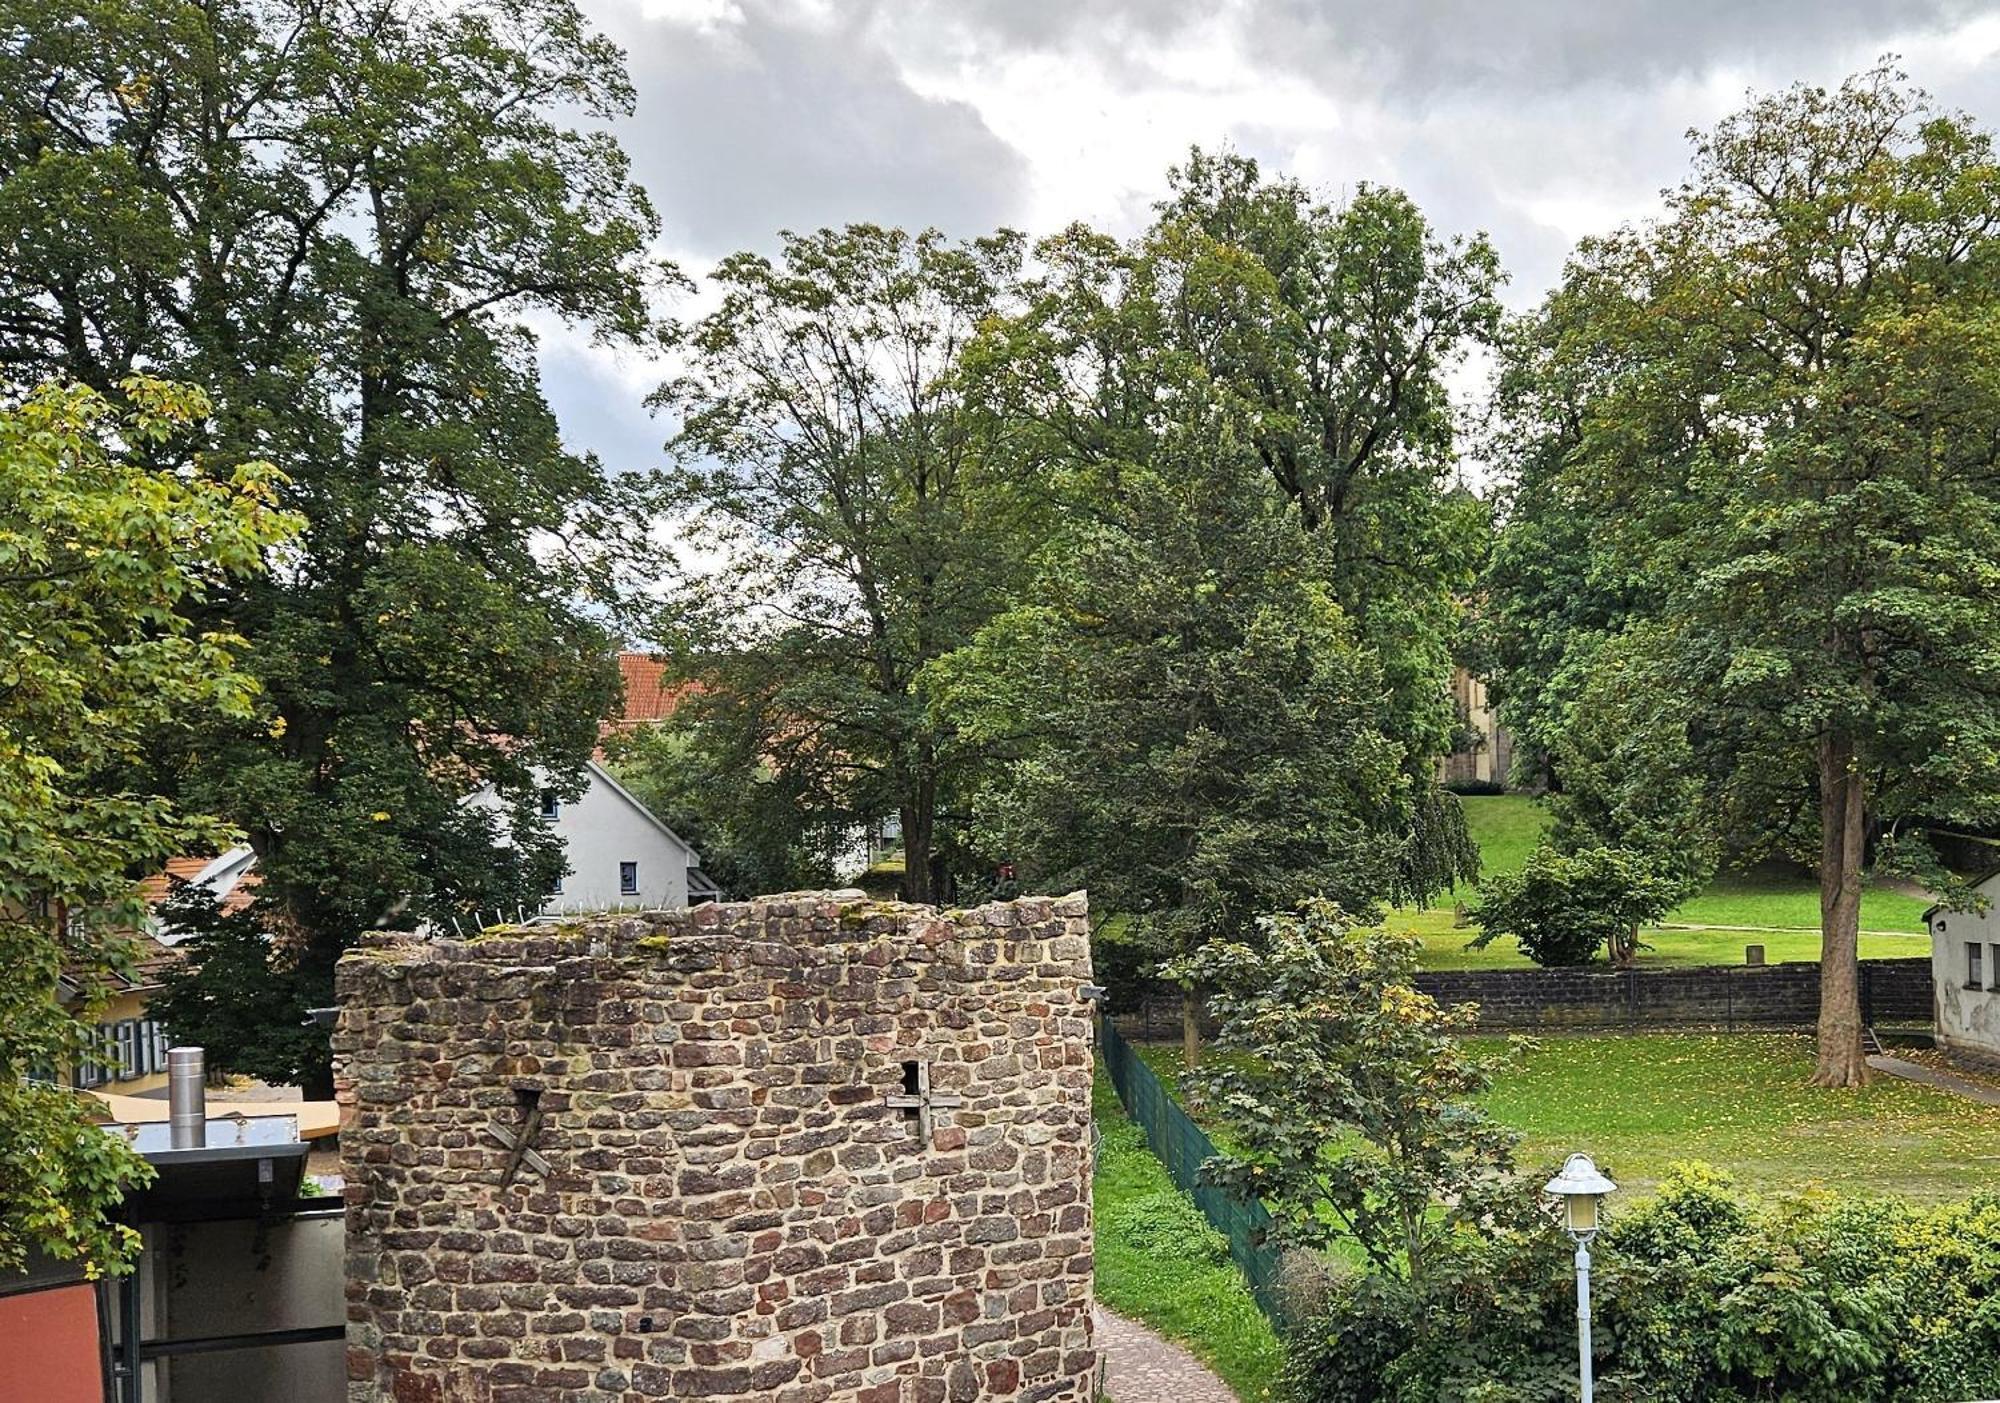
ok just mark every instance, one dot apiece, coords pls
pixel 1141 1367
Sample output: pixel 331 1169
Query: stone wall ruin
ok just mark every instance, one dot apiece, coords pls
pixel 806 1148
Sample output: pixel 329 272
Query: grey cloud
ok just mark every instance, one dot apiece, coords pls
pixel 771 123
pixel 1426 48
pixel 1531 46
pixel 598 411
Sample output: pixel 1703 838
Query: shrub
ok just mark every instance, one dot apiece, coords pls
pixel 1562 908
pixel 1699 1298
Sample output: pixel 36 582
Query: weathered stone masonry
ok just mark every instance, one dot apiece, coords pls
pixel 678 1156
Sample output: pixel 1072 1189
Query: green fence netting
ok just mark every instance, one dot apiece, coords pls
pixel 1182 1146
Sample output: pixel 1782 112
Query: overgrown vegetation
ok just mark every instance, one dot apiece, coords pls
pixel 1700 1294
pixel 1160 1262
pixel 105 560
pixel 1347 1100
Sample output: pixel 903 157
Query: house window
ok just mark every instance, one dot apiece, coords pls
pixel 1973 974
pixel 125 1037
pixel 551 806
pixel 628 878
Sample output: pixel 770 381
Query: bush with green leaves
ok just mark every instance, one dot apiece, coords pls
pixel 1562 908
pixel 1701 1295
pixel 1349 1101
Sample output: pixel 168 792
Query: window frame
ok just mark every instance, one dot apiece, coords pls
pixel 628 878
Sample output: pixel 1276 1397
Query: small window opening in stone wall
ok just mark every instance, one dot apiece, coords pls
pixel 919 1103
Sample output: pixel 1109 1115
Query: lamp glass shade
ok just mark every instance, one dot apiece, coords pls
pixel 1582 1210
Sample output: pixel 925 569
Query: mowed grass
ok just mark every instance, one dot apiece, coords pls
pixel 1159 1262
pixel 1638 1103
pixel 1736 905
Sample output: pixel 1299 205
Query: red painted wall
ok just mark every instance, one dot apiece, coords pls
pixel 49 1342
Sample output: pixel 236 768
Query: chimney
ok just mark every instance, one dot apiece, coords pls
pixel 187 1102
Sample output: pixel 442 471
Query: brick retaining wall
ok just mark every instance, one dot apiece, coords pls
pixel 1894 992
pixel 1784 995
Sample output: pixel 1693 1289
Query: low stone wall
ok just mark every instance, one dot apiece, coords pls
pixel 812 1149
pixel 1726 996
pixel 1894 993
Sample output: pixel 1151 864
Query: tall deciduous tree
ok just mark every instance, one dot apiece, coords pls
pixel 1202 734
pixel 103 560
pixel 828 447
pixel 1796 436
pixel 344 219
pixel 1371 310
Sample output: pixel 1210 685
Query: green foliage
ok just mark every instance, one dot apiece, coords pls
pixel 1758 501
pixel 727 801
pixel 1158 1260
pixel 1700 1294
pixel 344 220
pixel 828 446
pixel 1562 908
pixel 103 562
pixel 236 986
pixel 1351 1108
pixel 1345 358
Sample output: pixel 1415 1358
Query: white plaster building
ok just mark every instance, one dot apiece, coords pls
pixel 619 855
pixel 1965 973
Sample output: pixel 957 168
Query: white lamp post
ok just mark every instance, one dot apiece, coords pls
pixel 1580 1185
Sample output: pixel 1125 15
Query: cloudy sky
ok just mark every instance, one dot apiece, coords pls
pixel 1535 120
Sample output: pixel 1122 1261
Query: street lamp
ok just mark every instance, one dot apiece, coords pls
pixel 1580 1186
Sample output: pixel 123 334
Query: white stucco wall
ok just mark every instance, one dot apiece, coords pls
pixel 1968 1020
pixel 603 829
pixel 600 830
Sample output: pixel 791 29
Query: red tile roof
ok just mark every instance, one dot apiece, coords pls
pixel 650 696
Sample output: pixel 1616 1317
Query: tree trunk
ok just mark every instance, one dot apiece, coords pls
pixel 1843 810
pixel 919 817
pixel 1191 1028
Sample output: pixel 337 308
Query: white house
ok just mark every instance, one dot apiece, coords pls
pixel 619 854
pixel 1965 973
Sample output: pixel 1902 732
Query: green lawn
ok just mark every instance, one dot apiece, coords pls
pixel 1506 827
pixel 1158 1260
pixel 1638 1103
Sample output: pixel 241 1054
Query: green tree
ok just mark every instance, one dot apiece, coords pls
pixel 1369 309
pixel 1351 1102
pixel 1200 735
pixel 345 219
pixel 103 562
pixel 828 447
pixel 1795 439
pixel 1564 907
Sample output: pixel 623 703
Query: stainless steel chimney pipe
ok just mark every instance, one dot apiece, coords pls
pixel 187 1101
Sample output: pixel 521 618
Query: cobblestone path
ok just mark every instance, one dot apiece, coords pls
pixel 1141 1367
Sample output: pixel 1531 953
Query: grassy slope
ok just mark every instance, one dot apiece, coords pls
pixel 1639 1103
pixel 1158 1261
pixel 1507 825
